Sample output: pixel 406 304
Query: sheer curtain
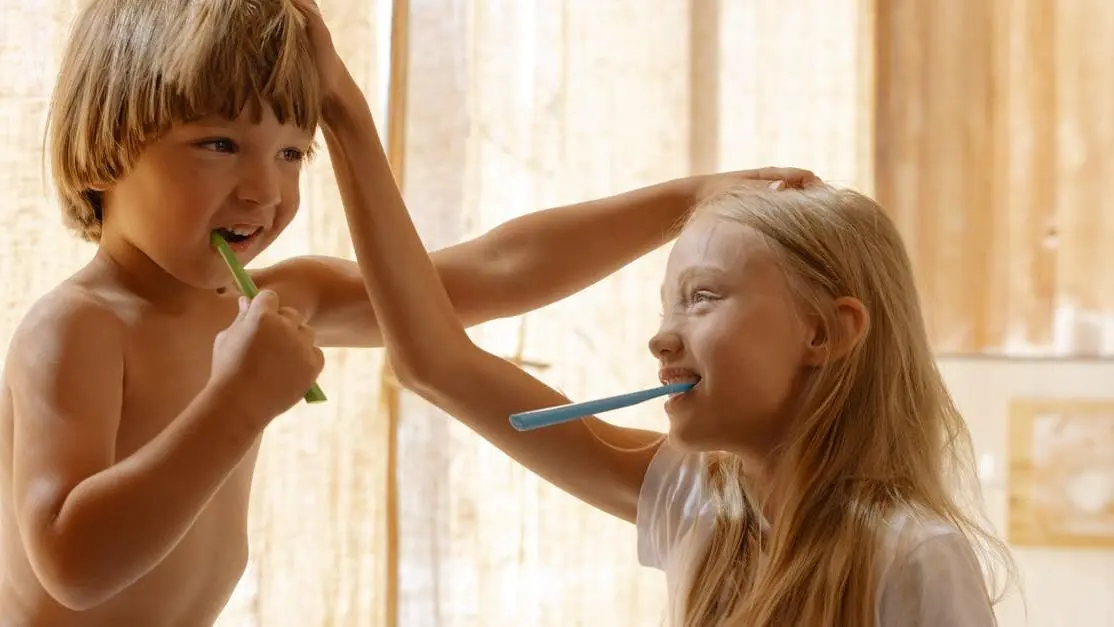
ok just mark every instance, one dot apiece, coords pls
pixel 375 509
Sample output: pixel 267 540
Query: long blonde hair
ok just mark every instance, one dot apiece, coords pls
pixel 133 68
pixel 879 432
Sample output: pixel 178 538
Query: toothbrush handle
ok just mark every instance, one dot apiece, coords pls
pixel 529 420
pixel 248 288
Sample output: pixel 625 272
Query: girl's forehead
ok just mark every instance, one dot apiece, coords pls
pixel 710 240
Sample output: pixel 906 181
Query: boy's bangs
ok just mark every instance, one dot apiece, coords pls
pixel 231 55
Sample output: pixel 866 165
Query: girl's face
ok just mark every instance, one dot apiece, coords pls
pixel 730 322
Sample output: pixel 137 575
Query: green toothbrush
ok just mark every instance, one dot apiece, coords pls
pixel 247 287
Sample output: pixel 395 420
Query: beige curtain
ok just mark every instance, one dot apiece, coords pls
pixel 996 152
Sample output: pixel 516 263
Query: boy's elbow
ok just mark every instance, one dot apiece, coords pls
pixel 77 598
pixel 70 577
pixel 70 583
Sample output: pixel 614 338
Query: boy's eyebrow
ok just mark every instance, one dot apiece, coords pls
pixel 216 122
pixel 209 121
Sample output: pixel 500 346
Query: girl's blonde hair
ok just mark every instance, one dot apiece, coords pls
pixel 879 433
pixel 133 68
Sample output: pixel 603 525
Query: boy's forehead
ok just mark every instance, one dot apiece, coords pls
pixel 250 114
pixel 246 121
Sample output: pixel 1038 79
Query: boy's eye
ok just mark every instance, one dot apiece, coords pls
pixel 220 144
pixel 293 154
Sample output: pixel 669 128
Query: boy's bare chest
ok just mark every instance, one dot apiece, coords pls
pixel 165 367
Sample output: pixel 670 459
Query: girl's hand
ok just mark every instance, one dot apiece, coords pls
pixel 330 68
pixel 777 178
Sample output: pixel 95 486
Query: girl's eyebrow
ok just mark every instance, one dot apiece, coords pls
pixel 696 272
pixel 702 271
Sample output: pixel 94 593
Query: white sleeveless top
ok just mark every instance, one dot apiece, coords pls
pixel 930 577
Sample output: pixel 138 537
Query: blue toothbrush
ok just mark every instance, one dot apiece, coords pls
pixel 529 420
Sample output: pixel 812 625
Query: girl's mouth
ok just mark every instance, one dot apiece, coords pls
pixel 692 382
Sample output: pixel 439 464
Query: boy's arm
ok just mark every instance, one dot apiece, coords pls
pixel 93 524
pixel 524 264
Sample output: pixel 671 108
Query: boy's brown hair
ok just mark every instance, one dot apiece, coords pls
pixel 133 68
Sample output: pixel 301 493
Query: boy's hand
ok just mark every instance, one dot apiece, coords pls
pixel 715 184
pixel 264 362
pixel 330 68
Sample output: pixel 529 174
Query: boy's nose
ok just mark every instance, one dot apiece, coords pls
pixel 259 185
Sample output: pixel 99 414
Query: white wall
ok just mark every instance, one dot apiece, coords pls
pixel 1062 587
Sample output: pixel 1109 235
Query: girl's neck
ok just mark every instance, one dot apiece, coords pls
pixel 763 480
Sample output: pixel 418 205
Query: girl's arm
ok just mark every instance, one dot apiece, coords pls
pixel 519 266
pixel 430 350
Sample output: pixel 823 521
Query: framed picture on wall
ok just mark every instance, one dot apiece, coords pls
pixel 1061 473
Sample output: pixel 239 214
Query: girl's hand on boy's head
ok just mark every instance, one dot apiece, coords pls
pixel 790 177
pixel 775 178
pixel 330 68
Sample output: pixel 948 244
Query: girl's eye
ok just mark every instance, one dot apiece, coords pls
pixel 701 296
pixel 220 144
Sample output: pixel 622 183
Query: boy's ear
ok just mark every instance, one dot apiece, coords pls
pixel 825 344
pixel 95 197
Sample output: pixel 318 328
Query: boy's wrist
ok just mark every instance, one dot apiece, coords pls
pixel 222 405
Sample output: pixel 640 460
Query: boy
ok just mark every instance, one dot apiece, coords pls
pixel 136 392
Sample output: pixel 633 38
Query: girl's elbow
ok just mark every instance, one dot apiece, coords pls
pixel 429 377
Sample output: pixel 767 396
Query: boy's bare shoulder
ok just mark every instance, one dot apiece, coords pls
pixel 69 316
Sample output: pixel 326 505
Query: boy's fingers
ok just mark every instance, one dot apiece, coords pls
pixel 264 301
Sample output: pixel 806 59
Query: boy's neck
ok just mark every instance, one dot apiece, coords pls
pixel 134 271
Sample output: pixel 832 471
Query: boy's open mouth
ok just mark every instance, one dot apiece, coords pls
pixel 239 235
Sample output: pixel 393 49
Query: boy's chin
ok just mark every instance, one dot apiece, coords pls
pixel 215 278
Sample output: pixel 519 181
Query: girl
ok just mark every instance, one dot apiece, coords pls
pixel 807 479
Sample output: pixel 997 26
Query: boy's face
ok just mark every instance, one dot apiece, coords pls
pixel 237 176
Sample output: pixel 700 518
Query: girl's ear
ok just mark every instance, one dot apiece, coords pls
pixel 852 319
